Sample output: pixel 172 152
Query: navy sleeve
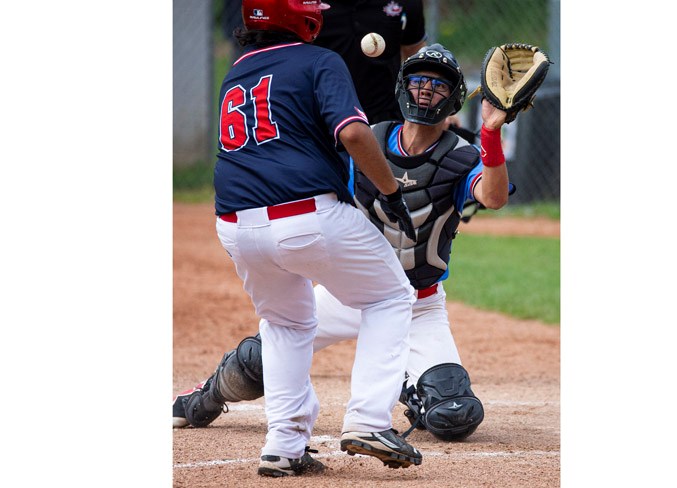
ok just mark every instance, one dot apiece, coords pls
pixel 335 93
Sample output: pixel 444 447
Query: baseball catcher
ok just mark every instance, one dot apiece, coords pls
pixel 510 76
pixel 439 172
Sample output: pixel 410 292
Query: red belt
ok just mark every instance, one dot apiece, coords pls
pixel 280 211
pixel 427 292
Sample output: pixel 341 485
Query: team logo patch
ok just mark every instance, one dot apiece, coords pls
pixel 393 9
pixel 406 181
pixel 257 14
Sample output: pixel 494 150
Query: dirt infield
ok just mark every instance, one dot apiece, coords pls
pixel 514 366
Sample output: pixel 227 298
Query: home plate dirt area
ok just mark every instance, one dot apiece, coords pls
pixel 514 366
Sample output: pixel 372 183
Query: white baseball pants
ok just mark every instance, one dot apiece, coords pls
pixel 336 246
pixel 430 338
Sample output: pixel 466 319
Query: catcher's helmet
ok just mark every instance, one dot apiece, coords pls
pixel 438 59
pixel 302 17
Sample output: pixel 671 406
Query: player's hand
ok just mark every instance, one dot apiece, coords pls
pixel 396 210
pixel 492 117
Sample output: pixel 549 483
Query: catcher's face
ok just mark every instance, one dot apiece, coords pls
pixel 427 88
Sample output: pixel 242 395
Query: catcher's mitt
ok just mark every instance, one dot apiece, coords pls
pixel 510 76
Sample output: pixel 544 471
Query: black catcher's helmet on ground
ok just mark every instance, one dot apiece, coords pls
pixel 438 59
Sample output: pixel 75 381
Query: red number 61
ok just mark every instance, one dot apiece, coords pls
pixel 233 133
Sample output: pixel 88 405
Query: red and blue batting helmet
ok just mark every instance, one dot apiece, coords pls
pixel 302 17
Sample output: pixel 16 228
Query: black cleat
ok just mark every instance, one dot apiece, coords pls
pixel 386 446
pixel 277 466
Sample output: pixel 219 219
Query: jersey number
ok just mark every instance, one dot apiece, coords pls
pixel 233 132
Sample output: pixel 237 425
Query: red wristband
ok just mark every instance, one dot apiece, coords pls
pixel 491 150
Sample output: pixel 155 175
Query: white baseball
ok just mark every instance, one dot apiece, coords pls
pixel 373 44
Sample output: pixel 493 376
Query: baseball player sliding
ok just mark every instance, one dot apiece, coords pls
pixel 439 173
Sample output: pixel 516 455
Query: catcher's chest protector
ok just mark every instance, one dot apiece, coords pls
pixel 428 182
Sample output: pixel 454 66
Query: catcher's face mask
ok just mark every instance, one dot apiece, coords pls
pixel 428 95
pixel 430 86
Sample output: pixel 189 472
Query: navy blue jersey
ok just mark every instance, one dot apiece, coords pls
pixel 281 110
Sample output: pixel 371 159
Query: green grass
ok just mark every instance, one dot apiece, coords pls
pixel 549 210
pixel 200 195
pixel 518 276
pixel 193 184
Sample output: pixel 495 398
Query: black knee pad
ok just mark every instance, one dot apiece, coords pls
pixel 240 374
pixel 249 358
pixel 450 409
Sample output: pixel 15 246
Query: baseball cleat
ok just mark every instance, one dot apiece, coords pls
pixel 179 407
pixel 277 466
pixel 386 446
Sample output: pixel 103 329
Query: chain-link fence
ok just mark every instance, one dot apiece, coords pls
pixel 532 142
pixel 192 87
pixel 202 54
